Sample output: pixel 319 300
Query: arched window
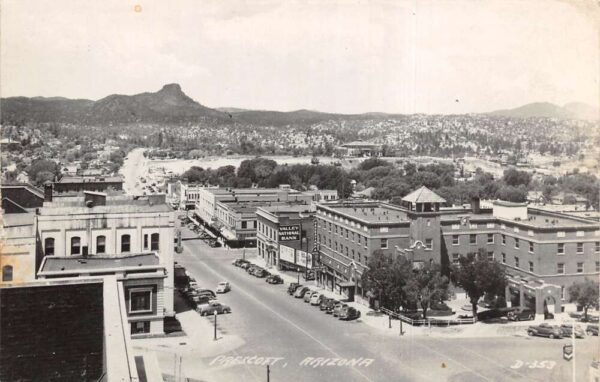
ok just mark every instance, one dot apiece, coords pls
pixel 154 241
pixel 7 273
pixel 49 246
pixel 101 244
pixel 125 243
pixel 75 245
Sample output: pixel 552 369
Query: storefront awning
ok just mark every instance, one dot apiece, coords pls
pixel 346 284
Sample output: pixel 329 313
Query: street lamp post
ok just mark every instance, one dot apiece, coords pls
pixel 215 336
pixel 298 269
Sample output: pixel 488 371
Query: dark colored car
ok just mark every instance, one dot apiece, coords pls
pixel 239 262
pixel 245 265
pixel 214 244
pixel 493 313
pixel 589 319
pixel 338 308
pixel 310 275
pixel 299 293
pixel 274 279
pixel 324 303
pixel 592 330
pixel 567 330
pixel 292 288
pixel 250 269
pixel 349 314
pixel 521 314
pixel 331 305
pixel 261 273
pixel 545 330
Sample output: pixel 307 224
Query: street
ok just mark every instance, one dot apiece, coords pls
pixel 301 343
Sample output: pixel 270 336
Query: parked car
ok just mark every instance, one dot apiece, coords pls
pixel 521 314
pixel 207 292
pixel 331 305
pixel 592 330
pixel 200 300
pixel 349 313
pixel 214 244
pixel 239 262
pixel 324 303
pixel 261 273
pixel 245 265
pixel 545 330
pixel 211 307
pixel 589 319
pixel 292 288
pixel 274 279
pixel 493 313
pixel 567 330
pixel 223 287
pixel 310 275
pixel 338 308
pixel 308 295
pixel 252 268
pixel 300 292
pixel 316 299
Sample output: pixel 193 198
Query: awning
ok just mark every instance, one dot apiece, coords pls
pixel 346 284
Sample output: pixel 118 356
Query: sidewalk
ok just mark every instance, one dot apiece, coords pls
pixel 381 321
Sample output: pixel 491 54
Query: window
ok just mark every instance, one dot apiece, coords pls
pixel 49 246
pixel 503 239
pixel 516 262
pixel 455 257
pixel 560 234
pixel 366 242
pixel 358 238
pixel 244 224
pixel 597 247
pixel 7 273
pixel 531 247
pixel 472 239
pixel 560 268
pixel 561 249
pixel 352 254
pixel 531 266
pixel 490 255
pixel 101 244
pixel 429 243
pixel 562 292
pixel 384 243
pixel 579 248
pixel 597 266
pixel 75 245
pixel 140 327
pixel 125 243
pixel 154 241
pixel 145 241
pixel 516 243
pixel 140 300
pixel 490 238
pixel 455 240
pixel 579 267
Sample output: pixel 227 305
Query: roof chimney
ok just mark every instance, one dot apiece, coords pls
pixel 48 191
pixel 476 205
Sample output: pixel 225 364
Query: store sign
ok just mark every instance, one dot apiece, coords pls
pixel 289 232
pixel 304 259
pixel 286 253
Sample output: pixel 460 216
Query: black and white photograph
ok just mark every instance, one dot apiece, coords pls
pixel 299 190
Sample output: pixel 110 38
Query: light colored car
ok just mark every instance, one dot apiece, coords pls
pixel 567 330
pixel 223 287
pixel 211 307
pixel 308 295
pixel 316 298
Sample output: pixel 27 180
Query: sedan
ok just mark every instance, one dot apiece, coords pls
pixel 592 330
pixel 316 299
pixel 223 287
pixel 567 330
pixel 545 330
pixel 338 308
pixel 308 296
pixel 349 314
pixel 211 307
pixel 300 292
pixel 260 273
pixel 325 303
pixel 274 279
pixel 293 287
pixel 331 305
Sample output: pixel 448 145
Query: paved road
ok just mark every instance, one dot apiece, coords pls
pixel 132 169
pixel 273 324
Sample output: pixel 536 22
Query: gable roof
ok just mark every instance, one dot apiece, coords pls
pixel 423 195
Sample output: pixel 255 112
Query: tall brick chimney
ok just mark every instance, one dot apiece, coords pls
pixel 48 191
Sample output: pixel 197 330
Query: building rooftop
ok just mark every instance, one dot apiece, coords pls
pixel 369 212
pixel 75 264
pixel 90 179
pixel 535 219
pixel 423 195
pixel 286 208
pixel 112 204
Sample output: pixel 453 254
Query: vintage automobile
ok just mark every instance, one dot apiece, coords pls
pixel 223 287
pixel 274 279
pixel 211 307
pixel 545 330
pixel 567 330
pixel 349 313
pixel 521 314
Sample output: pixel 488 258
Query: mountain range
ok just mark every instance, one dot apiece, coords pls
pixel 170 105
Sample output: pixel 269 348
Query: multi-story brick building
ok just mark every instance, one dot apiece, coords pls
pixel 88 183
pixel 543 252
pixel 286 236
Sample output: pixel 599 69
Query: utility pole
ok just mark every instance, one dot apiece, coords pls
pixel 268 374
pixel 215 336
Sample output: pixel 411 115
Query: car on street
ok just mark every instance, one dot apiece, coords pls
pixel 223 287
pixel 308 296
pixel 338 308
pixel 211 307
pixel 260 273
pixel 316 298
pixel 331 305
pixel 309 275
pixel 324 302
pixel 521 314
pixel 300 292
pixel 592 330
pixel 589 318
pixel 274 279
pixel 245 265
pixel 214 244
pixel 567 330
pixel 239 262
pixel 349 313
pixel 292 288
pixel 200 300
pixel 250 269
pixel 545 330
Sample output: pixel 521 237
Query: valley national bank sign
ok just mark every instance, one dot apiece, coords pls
pixel 289 232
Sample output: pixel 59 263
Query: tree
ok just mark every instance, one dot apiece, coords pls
pixel 514 177
pixel 477 276
pixel 385 279
pixel 584 294
pixel 45 166
pixel 426 286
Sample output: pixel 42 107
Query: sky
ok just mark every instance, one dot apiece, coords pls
pixel 444 56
